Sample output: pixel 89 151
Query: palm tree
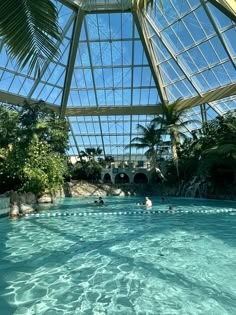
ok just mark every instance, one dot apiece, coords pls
pixel 150 140
pixel 30 30
pixel 171 123
pixel 91 153
pixel 222 149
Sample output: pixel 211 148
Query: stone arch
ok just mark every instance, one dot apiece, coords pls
pixel 122 178
pixel 140 178
pixel 107 178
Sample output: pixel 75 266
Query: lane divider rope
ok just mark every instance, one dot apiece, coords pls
pixel 64 214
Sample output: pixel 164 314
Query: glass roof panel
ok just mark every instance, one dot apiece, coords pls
pixel 221 19
pixel 115 64
pixel 188 50
pixel 225 104
pixel 228 35
pixel 193 47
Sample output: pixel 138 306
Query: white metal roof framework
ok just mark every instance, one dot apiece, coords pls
pixel 119 62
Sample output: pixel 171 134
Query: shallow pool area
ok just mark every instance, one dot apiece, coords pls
pixel 132 262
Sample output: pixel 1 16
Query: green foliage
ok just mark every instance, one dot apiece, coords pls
pixel 212 154
pixel 42 170
pixel 34 161
pixel 149 140
pixel 87 170
pixel 171 122
pixel 8 125
pixel 107 161
pixel 91 153
pixel 36 119
pixel 155 178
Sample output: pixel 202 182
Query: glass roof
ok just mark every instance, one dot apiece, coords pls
pixel 118 63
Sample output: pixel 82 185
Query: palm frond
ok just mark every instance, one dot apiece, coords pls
pixel 222 149
pixel 30 30
pixel 137 145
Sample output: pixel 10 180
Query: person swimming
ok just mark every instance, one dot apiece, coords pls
pixel 101 202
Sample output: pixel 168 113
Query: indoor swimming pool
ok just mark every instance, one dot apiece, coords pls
pixel 75 258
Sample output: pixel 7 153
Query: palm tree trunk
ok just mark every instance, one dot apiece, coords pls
pixel 155 166
pixel 174 153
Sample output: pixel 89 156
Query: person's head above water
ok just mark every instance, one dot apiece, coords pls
pixel 101 202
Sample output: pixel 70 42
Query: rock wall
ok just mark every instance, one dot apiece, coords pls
pixel 196 188
pixel 83 188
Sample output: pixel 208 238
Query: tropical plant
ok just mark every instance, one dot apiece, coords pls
pixel 91 153
pixel 8 124
pixel 87 170
pixel 30 31
pixel 223 131
pixel 109 159
pixel 36 119
pixel 149 140
pixel 220 150
pixel 32 162
pixel 171 122
pixel 42 170
pixel 211 154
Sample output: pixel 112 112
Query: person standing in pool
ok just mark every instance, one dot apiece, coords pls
pixel 148 203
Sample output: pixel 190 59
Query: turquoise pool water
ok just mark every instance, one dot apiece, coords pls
pixel 156 263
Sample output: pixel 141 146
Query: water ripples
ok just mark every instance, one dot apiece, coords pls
pixel 183 264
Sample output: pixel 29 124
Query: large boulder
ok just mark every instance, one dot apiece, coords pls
pixel 46 198
pixel 14 210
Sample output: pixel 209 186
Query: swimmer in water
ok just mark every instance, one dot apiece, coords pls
pixel 148 203
pixel 101 202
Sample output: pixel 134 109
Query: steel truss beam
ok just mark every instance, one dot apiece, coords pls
pixel 211 96
pixel 132 85
pixel 171 52
pixel 71 60
pixel 228 7
pixel 218 33
pixel 73 136
pixel 94 84
pixel 152 61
